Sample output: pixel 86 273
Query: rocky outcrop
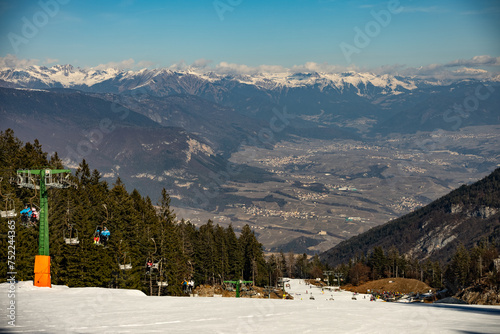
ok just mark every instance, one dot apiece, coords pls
pixel 483 212
pixel 480 212
pixel 435 240
pixel 480 294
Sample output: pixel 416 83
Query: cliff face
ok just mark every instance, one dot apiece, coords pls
pixel 466 215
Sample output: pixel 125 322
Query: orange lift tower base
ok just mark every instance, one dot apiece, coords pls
pixel 42 271
pixel 46 180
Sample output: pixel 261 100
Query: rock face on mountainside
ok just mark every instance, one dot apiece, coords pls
pixel 480 294
pixel 466 215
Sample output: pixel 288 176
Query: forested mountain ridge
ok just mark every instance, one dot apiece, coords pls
pixel 465 216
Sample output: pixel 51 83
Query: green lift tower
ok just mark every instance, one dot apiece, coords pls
pixel 43 179
pixel 238 283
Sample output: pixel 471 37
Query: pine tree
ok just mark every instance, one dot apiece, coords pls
pixel 235 263
pixel 254 265
pixel 457 273
pixel 377 262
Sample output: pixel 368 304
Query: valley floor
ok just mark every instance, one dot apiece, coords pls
pixel 92 310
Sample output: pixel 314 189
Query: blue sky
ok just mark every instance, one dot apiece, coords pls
pixel 250 32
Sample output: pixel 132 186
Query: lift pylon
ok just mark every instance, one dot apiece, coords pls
pixel 43 179
pixel 238 283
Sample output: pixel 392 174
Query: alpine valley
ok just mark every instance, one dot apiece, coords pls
pixel 306 159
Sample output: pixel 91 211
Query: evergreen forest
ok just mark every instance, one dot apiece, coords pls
pixel 141 229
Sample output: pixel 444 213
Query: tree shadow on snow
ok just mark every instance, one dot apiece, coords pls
pixel 491 310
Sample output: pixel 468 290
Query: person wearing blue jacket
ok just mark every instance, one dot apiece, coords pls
pixel 26 211
pixel 26 214
pixel 105 235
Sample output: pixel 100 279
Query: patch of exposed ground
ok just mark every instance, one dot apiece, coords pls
pixel 401 285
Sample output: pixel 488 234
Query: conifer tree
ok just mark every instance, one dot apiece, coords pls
pixel 254 266
pixel 235 263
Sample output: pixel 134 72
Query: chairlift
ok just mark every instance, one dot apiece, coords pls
pixel 26 180
pixel 71 236
pixel 31 220
pixel 99 228
pixel 156 265
pixel 97 236
pixel 126 266
pixel 162 281
pixel 8 214
pixel 10 208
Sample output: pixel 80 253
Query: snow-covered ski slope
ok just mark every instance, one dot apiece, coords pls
pixel 96 310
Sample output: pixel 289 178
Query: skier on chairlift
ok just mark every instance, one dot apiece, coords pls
pixel 26 214
pixel 34 215
pixel 149 265
pixel 105 236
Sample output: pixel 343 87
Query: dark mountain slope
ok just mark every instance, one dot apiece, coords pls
pixel 466 215
pixel 222 127
pixel 115 140
pixel 449 108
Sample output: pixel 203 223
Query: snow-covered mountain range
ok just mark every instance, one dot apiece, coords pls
pixel 193 80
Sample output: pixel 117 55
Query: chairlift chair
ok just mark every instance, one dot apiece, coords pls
pixel 97 236
pixel 8 214
pixel 99 228
pixel 126 266
pixel 70 235
pixel 71 238
pixel 10 208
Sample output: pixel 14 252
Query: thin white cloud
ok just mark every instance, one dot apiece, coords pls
pixel 241 69
pixel 124 64
pixel 320 67
pixel 475 61
pixel 201 63
pixel 478 67
pixel 179 66
pixel 11 61
pixel 230 68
